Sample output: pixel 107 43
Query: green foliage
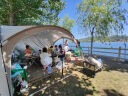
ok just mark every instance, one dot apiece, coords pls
pixel 51 12
pixel 103 17
pixel 30 12
pixel 68 23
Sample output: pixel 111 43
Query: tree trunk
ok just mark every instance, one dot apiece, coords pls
pixel 92 33
pixel 11 15
pixel 91 41
pixel 11 19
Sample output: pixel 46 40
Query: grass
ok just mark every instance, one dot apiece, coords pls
pixel 112 81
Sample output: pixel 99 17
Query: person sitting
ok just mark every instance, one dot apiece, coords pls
pixel 67 53
pixel 56 49
pixel 66 42
pixel 61 55
pixel 78 51
pixel 28 51
pixel 55 56
pixel 24 86
pixel 28 54
pixel 78 42
pixel 54 53
pixel 50 50
pixel 66 48
pixel 39 52
pixel 46 59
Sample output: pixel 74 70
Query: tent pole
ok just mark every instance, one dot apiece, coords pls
pixel 62 69
pixel 63 42
pixel 9 93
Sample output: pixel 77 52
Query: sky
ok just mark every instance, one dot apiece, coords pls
pixel 71 11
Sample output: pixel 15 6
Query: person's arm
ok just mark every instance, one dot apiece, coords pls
pixel 25 52
pixel 42 59
pixel 31 52
pixel 21 86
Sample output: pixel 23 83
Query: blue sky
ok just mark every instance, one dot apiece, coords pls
pixel 71 11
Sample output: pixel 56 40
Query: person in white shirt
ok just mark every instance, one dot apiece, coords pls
pixel 66 48
pixel 67 53
pixel 24 86
pixel 46 59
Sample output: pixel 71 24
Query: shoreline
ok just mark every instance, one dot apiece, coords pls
pixel 105 42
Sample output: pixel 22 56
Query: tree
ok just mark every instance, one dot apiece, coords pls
pixel 68 23
pixel 30 12
pixel 101 17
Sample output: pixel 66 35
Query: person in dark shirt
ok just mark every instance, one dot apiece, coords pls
pixel 61 53
pixel 78 42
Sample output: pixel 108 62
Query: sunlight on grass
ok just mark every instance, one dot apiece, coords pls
pixel 106 83
pixel 34 87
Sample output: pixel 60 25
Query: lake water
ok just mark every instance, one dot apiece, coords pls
pixel 106 45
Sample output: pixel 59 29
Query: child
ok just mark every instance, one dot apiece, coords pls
pixel 24 86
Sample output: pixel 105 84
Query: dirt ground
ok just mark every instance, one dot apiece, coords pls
pixel 111 81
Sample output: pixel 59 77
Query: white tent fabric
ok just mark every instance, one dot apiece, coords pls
pixel 8 31
pixel 36 41
pixel 3 80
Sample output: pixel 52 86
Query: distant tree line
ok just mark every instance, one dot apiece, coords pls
pixel 114 38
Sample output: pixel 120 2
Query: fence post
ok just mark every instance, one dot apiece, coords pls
pixel 119 51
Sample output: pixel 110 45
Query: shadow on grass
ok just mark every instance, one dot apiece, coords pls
pixel 112 64
pixel 71 86
pixel 112 92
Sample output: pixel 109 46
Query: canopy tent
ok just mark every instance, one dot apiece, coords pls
pixel 37 40
pixel 36 36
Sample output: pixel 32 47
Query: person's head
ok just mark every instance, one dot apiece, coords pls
pixel 60 47
pixel 39 51
pixel 51 46
pixel 44 49
pixel 66 43
pixel 27 47
pixel 23 79
pixel 55 46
